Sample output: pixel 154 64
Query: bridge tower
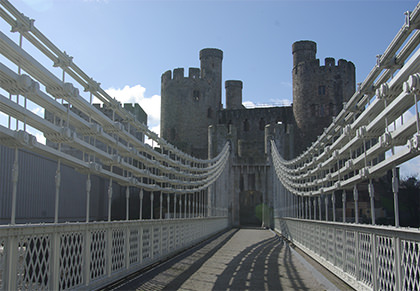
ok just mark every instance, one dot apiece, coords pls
pixel 318 91
pixel 189 105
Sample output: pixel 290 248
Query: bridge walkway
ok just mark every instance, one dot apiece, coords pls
pixel 239 259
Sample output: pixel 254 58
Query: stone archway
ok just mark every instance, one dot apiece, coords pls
pixel 248 207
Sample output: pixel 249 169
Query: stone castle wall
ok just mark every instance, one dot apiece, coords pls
pixel 318 91
pixel 189 104
pixel 194 120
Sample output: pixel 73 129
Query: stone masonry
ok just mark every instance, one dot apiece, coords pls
pixel 194 120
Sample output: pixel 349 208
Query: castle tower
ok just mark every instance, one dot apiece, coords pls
pixel 190 104
pixel 318 91
pixel 233 94
pixel 211 70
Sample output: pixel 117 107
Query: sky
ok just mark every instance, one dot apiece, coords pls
pixel 127 45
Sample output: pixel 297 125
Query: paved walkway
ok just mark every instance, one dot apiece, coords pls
pixel 245 259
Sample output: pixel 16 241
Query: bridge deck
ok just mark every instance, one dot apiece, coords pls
pixel 245 259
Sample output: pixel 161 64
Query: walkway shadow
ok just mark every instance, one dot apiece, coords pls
pixel 219 240
pixel 255 268
pixel 258 268
pixel 176 283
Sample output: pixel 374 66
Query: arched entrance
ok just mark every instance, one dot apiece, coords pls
pixel 250 208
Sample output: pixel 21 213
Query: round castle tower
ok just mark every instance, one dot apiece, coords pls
pixel 318 91
pixel 190 104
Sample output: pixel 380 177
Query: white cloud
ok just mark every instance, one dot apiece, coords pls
pixel 398 122
pixel 135 94
pixel 271 103
pixel 410 168
pixel 38 111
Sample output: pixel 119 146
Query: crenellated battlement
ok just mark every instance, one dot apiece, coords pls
pixel 179 74
pixel 331 64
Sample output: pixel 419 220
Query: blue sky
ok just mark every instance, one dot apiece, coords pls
pixel 127 44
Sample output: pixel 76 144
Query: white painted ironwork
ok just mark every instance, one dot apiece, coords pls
pixel 92 254
pixel 88 255
pixel 370 136
pixel 365 256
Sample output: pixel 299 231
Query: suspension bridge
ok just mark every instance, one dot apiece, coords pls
pixel 183 200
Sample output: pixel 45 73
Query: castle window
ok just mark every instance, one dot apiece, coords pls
pixel 196 95
pixel 321 90
pixel 229 125
pixel 209 112
pixel 246 125
pixel 322 110
pixel 262 124
pixel 251 181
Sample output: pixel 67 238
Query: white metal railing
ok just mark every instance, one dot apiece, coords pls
pixel 377 130
pixel 370 136
pixel 365 256
pixel 91 255
pixel 107 148
pixel 107 143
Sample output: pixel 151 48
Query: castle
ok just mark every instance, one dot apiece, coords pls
pixel 193 118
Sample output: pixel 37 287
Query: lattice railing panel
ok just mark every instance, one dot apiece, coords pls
pixel 339 248
pixel 134 254
pixel 171 243
pixel 323 243
pixel 316 238
pixel 350 249
pixel 410 265
pixel 385 257
pixel 330 243
pixel 164 239
pixel 146 244
pixel 177 235
pixel 98 246
pixel 71 260
pixel 33 270
pixel 156 241
pixel 365 251
pixel 118 249
pixel 306 235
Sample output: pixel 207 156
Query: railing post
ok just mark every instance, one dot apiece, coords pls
pixel 356 203
pixel 161 205
pixel 310 207
pixel 109 198
pixel 189 206
pixel 372 201
pixel 180 206
pixel 174 205
pixel 151 204
pixel 12 258
pixel 127 203
pixel 88 188
pixel 15 176
pixel 395 190
pixel 343 199
pixel 57 190
pixel 55 261
pixel 326 207
pixel 397 263
pixel 185 205
pixel 87 255
pixel 141 204
pixel 168 203
pixel 333 205
pixel 320 207
pixel 374 263
pixel 108 250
